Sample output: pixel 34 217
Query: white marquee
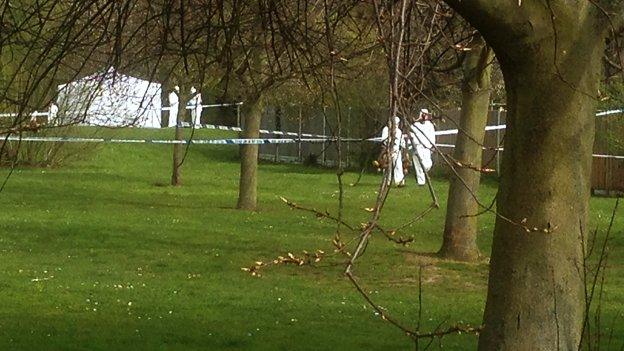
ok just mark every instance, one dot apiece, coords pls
pixel 111 99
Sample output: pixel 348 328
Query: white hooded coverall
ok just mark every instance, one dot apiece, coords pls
pixel 423 134
pixel 52 113
pixel 174 103
pixel 395 151
pixel 196 107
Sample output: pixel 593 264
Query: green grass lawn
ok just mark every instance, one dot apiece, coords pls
pixel 101 255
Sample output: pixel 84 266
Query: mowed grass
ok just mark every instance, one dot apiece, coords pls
pixel 103 255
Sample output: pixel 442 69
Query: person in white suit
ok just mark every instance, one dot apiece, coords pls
pixel 394 142
pixel 196 107
pixel 52 113
pixel 423 135
pixel 174 104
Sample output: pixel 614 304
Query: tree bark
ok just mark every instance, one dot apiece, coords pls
pixel 176 173
pixel 535 294
pixel 176 176
pixel 550 54
pixel 247 191
pixel 460 230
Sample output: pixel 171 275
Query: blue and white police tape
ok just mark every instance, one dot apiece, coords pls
pixel 455 131
pixel 233 141
pixel 307 135
pixel 250 141
pixel 192 107
pixel 616 157
pixel 608 113
pixel 262 131
pixel 34 114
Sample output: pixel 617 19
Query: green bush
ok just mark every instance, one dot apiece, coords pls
pixel 43 154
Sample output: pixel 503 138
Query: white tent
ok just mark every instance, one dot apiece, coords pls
pixel 111 99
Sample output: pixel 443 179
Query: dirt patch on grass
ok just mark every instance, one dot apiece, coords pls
pixel 435 271
pixel 420 258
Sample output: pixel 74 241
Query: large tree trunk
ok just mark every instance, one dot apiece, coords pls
pixel 535 295
pixel 247 191
pixel 460 230
pixel 550 54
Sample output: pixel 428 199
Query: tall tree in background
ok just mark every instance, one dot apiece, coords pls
pixel 180 51
pixel 51 43
pixel 550 53
pixel 460 229
pixel 272 43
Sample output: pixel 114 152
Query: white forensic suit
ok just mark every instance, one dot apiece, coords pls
pixel 195 103
pixel 423 134
pixel 52 113
pixel 395 150
pixel 174 104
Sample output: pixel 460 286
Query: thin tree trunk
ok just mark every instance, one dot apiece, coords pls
pixel 176 176
pixel 247 191
pixel 176 173
pixel 535 294
pixel 460 230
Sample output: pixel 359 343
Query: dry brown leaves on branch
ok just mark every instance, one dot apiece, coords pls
pixel 484 170
pixel 390 235
pixel 306 258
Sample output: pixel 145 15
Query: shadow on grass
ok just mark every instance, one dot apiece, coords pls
pixel 227 154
